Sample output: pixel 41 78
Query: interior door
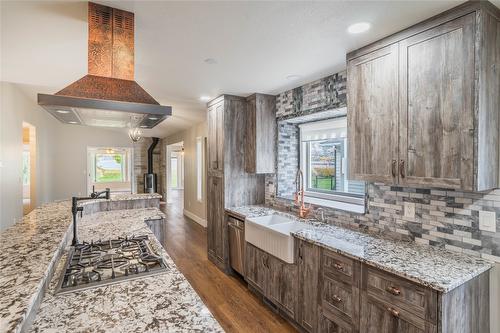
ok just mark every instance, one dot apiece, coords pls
pixel 436 106
pixel 372 113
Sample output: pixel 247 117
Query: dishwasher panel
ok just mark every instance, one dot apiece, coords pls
pixel 236 229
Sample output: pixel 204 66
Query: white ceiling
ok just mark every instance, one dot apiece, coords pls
pixel 256 45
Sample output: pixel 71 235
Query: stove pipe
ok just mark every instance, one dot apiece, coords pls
pixel 150 179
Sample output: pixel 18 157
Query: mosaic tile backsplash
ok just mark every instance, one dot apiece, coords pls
pixel 443 218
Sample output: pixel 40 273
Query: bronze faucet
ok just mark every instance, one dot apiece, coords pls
pixel 299 194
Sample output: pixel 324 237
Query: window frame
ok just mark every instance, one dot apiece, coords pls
pixel 342 200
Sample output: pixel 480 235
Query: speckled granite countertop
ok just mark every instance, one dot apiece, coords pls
pixel 434 267
pixel 161 303
pixel 29 251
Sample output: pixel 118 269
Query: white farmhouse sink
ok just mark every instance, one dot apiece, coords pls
pixel 271 233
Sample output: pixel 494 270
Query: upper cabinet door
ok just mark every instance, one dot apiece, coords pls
pixel 212 138
pixel 436 106
pixel 215 137
pixel 372 113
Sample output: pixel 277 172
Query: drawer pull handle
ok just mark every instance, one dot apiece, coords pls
pixel 393 312
pixel 394 290
pixel 338 266
pixel 337 299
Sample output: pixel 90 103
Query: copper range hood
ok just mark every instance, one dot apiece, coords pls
pixel 108 96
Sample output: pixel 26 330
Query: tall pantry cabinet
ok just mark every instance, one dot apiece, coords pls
pixel 228 185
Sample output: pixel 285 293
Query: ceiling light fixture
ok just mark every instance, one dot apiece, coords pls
pixel 62 111
pixel 72 122
pixel 134 134
pixel 153 118
pixel 143 126
pixel 358 28
pixel 204 98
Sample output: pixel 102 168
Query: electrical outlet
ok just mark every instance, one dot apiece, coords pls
pixel 409 209
pixel 487 221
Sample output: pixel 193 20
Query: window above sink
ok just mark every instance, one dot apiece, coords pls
pixel 317 143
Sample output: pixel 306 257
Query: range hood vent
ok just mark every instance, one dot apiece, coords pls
pixel 108 96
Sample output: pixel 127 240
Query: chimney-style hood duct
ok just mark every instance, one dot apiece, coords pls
pixel 108 96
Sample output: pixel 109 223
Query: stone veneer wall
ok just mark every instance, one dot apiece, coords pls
pixel 444 218
pixel 288 157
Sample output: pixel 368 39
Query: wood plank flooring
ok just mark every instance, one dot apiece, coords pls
pixel 227 297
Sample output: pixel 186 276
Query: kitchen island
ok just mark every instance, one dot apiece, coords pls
pixel 30 254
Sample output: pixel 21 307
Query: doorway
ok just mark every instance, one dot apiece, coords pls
pixel 29 167
pixel 175 172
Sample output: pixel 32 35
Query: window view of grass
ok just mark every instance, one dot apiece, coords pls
pixel 323 159
pixel 109 168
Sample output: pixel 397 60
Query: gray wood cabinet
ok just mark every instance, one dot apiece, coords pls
pixel 372 114
pixel 308 269
pixel 216 240
pixel 228 185
pixel 273 278
pixel 339 280
pixel 215 122
pixel 423 103
pixel 260 147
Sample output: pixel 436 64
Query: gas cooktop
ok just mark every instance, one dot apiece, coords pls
pixel 92 264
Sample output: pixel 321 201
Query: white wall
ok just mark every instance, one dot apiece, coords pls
pixel 192 207
pixel 17 106
pixel 61 151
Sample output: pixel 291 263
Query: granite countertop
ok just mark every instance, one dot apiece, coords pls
pixel 29 252
pixel 437 268
pixel 165 302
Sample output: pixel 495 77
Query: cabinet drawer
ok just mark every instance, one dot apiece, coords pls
pixel 417 299
pixel 328 323
pixel 340 267
pixel 339 298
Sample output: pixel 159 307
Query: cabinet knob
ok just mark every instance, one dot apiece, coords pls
pixel 394 290
pixel 393 312
pixel 337 298
pixel 402 168
pixel 338 266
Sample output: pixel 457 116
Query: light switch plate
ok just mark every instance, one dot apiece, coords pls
pixel 409 209
pixel 487 221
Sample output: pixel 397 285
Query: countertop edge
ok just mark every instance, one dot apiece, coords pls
pixel 433 286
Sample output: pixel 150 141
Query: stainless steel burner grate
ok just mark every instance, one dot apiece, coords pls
pixel 104 262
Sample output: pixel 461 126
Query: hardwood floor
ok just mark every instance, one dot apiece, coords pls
pixel 227 297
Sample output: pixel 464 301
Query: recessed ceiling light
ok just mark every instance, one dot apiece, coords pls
pixel 293 77
pixel 72 122
pixel 143 126
pixel 153 118
pixel 62 111
pixel 210 61
pixel 357 28
pixel 204 98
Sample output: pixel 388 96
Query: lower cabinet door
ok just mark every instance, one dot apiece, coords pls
pixel 255 267
pixel 380 317
pixel 282 289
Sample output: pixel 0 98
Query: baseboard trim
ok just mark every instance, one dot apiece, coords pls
pixel 195 218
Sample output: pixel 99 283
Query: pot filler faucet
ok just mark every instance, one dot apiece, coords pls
pixel 75 209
